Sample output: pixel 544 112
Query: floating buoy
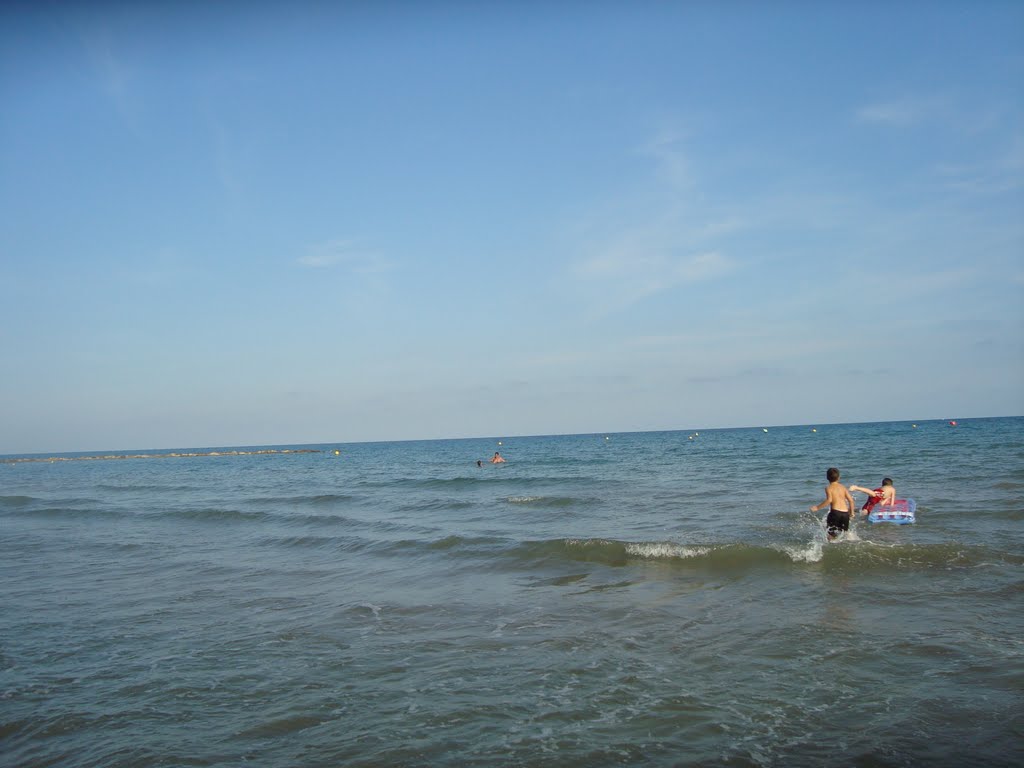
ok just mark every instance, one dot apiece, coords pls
pixel 813 429
pixel 952 423
pixel 914 426
pixel 764 429
pixel 337 453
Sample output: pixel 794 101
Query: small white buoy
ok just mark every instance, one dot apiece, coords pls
pixel 813 429
pixel 764 429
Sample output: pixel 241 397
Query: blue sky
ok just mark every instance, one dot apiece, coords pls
pixel 266 223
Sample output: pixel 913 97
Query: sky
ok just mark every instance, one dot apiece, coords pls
pixel 252 223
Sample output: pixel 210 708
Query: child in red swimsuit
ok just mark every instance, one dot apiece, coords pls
pixel 886 495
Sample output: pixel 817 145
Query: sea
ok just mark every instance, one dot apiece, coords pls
pixel 656 599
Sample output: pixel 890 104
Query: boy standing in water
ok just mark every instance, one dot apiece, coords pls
pixel 840 504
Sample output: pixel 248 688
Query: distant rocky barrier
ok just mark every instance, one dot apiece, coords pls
pixel 112 456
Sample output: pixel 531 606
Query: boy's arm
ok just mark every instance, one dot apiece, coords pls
pixel 828 500
pixel 868 491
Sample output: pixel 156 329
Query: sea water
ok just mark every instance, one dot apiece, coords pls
pixel 662 599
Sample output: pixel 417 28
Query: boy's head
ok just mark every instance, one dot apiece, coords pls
pixel 832 474
pixel 886 481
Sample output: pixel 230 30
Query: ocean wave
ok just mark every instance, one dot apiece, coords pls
pixel 621 553
pixel 483 479
pixel 462 545
pixel 70 512
pixel 338 543
pixel 319 499
pixel 547 501
pixel 19 503
pixel 141 487
pixel 16 501
pixel 436 505
pixel 849 554
pixel 1010 485
pixel 495 552
pixel 214 514
pixel 325 499
pixel 427 483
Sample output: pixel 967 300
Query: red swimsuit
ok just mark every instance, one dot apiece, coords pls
pixel 874 498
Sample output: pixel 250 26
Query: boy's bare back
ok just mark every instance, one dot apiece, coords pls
pixel 837 498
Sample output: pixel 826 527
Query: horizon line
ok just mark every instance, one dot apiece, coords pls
pixel 524 436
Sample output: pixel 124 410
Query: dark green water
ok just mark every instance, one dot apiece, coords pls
pixel 645 599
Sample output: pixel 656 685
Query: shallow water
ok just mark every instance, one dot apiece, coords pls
pixel 654 598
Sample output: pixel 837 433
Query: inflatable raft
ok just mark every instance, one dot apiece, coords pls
pixel 900 513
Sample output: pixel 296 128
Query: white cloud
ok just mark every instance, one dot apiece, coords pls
pixel 902 112
pixel 344 254
pixel 633 271
pixel 657 237
pixel 673 164
pixel 114 77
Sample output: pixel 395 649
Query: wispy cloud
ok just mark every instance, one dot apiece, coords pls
pixel 904 111
pixel 345 254
pixel 889 113
pixel 114 76
pixel 633 271
pixel 668 152
pixel 658 237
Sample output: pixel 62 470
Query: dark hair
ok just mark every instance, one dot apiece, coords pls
pixel 887 481
pixel 832 474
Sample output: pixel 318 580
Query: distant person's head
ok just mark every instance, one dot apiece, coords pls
pixel 887 481
pixel 832 474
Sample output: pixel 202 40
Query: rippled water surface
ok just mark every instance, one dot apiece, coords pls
pixel 658 598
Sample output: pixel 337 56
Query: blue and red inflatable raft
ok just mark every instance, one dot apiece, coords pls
pixel 900 513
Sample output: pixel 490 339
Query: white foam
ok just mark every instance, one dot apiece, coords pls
pixel 811 552
pixel 664 549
